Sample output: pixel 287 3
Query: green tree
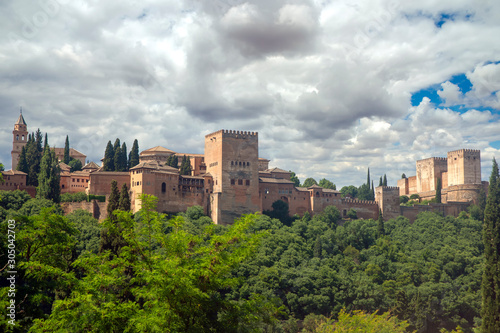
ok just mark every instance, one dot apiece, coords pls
pixel 352 214
pixel 75 165
pixel 123 158
pixel 113 200
pixel 325 183
pixel 381 182
pixel 124 204
pixel 1 175
pixel 161 282
pixel 108 163
pixel 368 178
pixel 49 176
pixel 309 182
pixel 380 224
pixel 385 180
pixel 350 190
pixel 173 161
pixel 438 191
pixel 185 166
pixel 372 194
pixel 294 178
pixel 111 237
pixel 23 163
pixel 280 211
pixel 118 158
pixel 133 157
pixel 360 321
pixel 403 199
pixel 490 310
pixel 66 158
pixel 33 157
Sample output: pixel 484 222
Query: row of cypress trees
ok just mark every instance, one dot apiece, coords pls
pixel 115 156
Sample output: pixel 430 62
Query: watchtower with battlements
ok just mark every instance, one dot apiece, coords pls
pixel 464 167
pixel 232 159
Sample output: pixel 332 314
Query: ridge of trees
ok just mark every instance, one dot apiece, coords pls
pixel 115 156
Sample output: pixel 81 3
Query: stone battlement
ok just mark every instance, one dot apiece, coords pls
pixel 390 188
pixel 359 202
pixel 476 151
pixel 440 159
pixel 232 133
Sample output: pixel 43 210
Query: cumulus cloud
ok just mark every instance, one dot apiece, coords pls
pixel 327 85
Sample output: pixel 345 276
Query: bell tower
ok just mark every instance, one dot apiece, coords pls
pixel 20 138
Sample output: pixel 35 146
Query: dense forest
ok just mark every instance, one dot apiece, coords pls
pixel 150 272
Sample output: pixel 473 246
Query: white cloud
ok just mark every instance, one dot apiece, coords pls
pixel 326 84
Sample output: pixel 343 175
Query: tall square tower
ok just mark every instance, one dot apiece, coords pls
pixel 464 167
pixel 19 140
pixel 232 158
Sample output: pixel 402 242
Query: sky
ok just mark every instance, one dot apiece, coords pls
pixel 332 87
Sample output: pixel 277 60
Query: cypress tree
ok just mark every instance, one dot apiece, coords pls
pixel 380 183
pixel 380 224
pixel 108 163
pixel 438 191
pixel 133 157
pixel 124 199
pixel 123 158
pixel 385 180
pixel 175 161
pixel 66 158
pixel 46 141
pixel 23 163
pixel 117 159
pixel 33 157
pixel 48 178
pixel 185 166
pixel 490 287
pixel 373 192
pixel 113 200
pixel 368 179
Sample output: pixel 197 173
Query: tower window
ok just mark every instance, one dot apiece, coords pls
pixel 247 182
pixel 22 137
pixel 232 182
pixel 240 181
pixel 240 163
pixel 17 137
pixel 163 187
pixel 232 162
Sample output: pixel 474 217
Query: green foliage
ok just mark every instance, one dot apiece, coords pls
pixel 352 214
pixel 66 158
pixel 280 211
pixel 13 200
pixel 159 282
pixel 380 224
pixel 173 161
pixel 76 165
pixel 120 156
pixel 403 199
pixel 490 309
pixel 360 321
pixel 438 191
pixel 384 183
pixel 100 198
pixel 34 207
pixel 133 157
pixel 309 182
pixel 124 203
pixel 33 157
pixel 350 190
pixel 22 165
pixel 108 163
pixel 325 183
pixel 414 196
pixel 49 176
pixel 89 230
pixel 74 197
pixel 111 235
pixel 185 168
pixel 294 178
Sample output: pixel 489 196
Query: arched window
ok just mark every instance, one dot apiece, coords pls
pixel 22 137
pixel 317 194
pixel 163 187
pixel 17 137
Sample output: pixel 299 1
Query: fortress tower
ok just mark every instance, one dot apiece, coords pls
pixel 428 171
pixel 232 158
pixel 20 138
pixel 464 167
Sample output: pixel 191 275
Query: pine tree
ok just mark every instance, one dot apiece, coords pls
pixel 381 183
pixel 124 199
pixel 66 158
pixel 490 310
pixel 112 239
pixel 380 224
pixel 133 157
pixel 23 163
pixel 108 163
pixel 48 178
pixel 438 191
pixel 385 180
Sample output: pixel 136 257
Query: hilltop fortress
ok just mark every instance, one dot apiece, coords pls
pixel 230 179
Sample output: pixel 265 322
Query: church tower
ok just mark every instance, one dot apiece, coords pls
pixel 20 138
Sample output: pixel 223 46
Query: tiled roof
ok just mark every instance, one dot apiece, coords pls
pixel 277 170
pixel 157 149
pixel 275 180
pixel 327 190
pixel 315 186
pixel 155 166
pixel 91 165
pixel 72 152
pixel 20 120
pixel 13 172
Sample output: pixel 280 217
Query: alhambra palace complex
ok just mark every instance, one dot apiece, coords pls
pixel 230 179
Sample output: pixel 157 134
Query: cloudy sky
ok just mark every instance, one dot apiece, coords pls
pixel 332 87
